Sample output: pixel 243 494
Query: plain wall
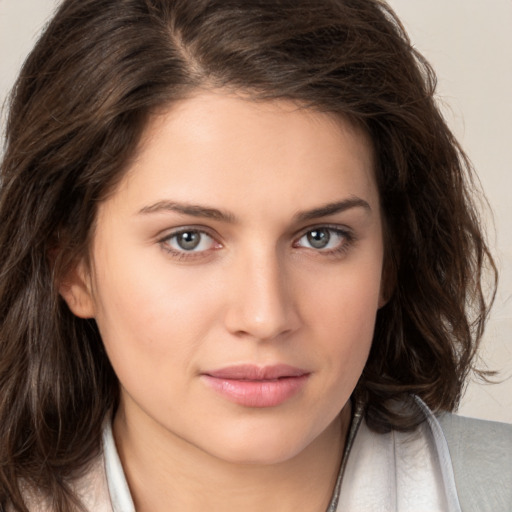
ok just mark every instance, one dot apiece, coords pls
pixel 469 43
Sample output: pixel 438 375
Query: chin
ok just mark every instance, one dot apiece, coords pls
pixel 265 445
pixel 251 454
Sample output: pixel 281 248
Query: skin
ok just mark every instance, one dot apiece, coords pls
pixel 255 290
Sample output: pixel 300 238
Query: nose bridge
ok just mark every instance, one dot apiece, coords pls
pixel 261 304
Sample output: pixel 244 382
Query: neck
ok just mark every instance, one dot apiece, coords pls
pixel 166 473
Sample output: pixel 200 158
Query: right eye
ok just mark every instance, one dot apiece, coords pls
pixel 188 241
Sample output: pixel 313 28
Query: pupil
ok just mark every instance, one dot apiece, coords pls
pixel 319 238
pixel 188 240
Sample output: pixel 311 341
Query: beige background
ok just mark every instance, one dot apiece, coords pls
pixel 469 42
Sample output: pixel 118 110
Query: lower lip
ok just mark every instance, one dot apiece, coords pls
pixel 257 393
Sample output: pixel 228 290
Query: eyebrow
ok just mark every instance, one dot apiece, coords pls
pixel 333 208
pixel 195 210
pixel 189 209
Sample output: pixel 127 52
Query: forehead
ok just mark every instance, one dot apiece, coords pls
pixel 218 147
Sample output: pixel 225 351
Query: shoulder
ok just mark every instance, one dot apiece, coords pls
pixel 481 453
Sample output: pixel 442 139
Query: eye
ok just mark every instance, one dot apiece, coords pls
pixel 325 239
pixel 189 240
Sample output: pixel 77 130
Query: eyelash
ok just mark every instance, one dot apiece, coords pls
pixel 348 239
pixel 183 254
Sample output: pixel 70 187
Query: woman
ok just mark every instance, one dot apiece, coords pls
pixel 242 267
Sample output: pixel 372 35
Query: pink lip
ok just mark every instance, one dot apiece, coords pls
pixel 256 386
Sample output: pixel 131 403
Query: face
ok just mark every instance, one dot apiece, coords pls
pixel 236 275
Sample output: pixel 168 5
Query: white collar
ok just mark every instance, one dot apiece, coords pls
pixel 119 491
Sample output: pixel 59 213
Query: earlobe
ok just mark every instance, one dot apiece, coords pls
pixel 383 299
pixel 388 282
pixel 387 289
pixel 75 289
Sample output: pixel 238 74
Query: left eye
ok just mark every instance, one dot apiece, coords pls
pixel 322 239
pixel 189 241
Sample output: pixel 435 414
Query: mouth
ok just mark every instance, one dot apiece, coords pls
pixel 256 386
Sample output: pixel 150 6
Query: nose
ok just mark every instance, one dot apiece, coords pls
pixel 261 304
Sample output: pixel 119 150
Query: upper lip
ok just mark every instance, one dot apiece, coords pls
pixel 255 372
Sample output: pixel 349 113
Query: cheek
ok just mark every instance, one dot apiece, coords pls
pixel 149 316
pixel 346 297
pixel 342 307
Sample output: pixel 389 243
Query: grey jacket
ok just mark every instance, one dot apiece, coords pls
pixel 481 453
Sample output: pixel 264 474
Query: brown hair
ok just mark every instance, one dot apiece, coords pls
pixel 77 113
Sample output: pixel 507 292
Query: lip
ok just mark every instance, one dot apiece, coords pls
pixel 257 386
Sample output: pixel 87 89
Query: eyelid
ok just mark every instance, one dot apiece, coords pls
pixel 167 233
pixel 345 230
pixel 165 236
pixel 348 235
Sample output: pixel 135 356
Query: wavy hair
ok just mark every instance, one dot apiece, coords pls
pixel 77 112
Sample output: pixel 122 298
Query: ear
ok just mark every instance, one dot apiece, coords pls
pixel 383 298
pixel 75 288
pixel 388 280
